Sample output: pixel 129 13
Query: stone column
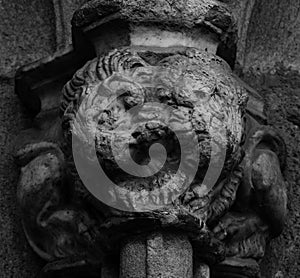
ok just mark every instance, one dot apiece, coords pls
pixel 160 254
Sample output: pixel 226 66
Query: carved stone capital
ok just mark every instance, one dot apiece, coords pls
pixel 158 75
pixel 207 25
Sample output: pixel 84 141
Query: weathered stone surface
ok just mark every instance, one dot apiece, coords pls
pixel 133 258
pixel 209 13
pixel 18 263
pixel 230 206
pixel 26 33
pixel 16 257
pixel 209 16
pixel 63 10
pixel 169 256
pixel 208 97
pixel 117 35
pixel 242 10
pixel 157 255
pixel 282 96
pixel 189 64
pixel 273 36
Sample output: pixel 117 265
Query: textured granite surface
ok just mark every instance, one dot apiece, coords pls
pixel 188 13
pixel 281 91
pixel 26 34
pixel 16 257
pixel 274 35
pixel 28 31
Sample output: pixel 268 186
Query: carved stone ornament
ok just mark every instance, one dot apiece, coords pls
pixel 152 159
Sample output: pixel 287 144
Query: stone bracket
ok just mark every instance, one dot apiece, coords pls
pixel 39 84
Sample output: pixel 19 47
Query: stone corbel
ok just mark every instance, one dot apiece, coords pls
pixel 216 232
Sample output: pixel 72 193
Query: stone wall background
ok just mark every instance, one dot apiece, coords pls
pixel 26 35
pixel 29 30
pixel 33 29
pixel 281 91
pixel 273 35
pixel 271 65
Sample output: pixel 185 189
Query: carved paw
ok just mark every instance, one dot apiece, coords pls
pixel 244 235
pixel 236 226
